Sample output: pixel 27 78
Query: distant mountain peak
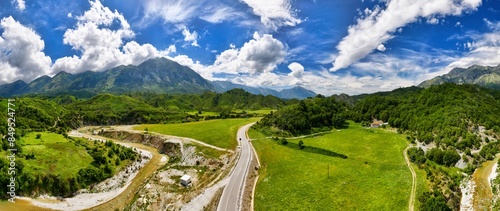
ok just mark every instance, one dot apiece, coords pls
pixel 480 75
pixel 158 75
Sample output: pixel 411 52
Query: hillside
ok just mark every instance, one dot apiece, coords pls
pixel 479 75
pixel 158 75
pixel 62 112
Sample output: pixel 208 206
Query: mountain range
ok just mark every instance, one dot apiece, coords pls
pixel 296 92
pixel 488 77
pixel 159 75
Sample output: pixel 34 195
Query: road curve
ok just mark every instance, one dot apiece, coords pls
pixel 232 195
pixel 414 180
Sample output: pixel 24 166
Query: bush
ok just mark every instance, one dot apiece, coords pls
pixel 301 144
pixel 284 141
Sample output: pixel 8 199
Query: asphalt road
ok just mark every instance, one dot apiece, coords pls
pixel 232 194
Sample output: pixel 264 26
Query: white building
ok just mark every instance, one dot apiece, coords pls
pixel 185 180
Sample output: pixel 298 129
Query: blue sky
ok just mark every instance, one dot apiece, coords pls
pixel 328 46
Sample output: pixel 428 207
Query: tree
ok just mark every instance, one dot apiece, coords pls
pixel 338 121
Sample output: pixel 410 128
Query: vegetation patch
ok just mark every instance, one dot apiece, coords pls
pixel 49 163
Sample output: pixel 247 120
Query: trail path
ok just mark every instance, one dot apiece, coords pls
pixel 411 204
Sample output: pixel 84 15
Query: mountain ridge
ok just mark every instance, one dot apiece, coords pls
pixel 296 92
pixel 158 75
pixel 486 76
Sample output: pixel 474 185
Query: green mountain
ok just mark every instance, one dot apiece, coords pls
pixel 480 75
pixel 297 92
pixel 158 75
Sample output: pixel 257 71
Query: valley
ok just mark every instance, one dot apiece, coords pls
pixel 411 148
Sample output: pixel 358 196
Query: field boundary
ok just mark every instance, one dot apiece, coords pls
pixel 411 203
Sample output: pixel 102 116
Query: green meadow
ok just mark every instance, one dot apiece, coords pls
pixel 373 177
pixel 54 154
pixel 220 132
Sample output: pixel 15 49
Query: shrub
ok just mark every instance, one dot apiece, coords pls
pixel 284 141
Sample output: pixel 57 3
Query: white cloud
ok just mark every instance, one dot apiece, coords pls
pixel 21 52
pixel 21 5
pixel 181 11
pixel 274 13
pixel 100 46
pixel 190 36
pixel 492 26
pixel 297 70
pixel 379 25
pixel 261 54
pixel 458 24
pixel 171 11
pixel 256 60
pixel 381 47
pixel 433 20
pixel 220 13
pixel 484 49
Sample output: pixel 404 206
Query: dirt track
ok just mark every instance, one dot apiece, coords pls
pixel 411 203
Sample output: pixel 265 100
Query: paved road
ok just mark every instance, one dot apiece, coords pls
pixel 232 194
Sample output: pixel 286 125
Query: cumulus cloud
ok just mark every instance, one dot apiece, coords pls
pixel 99 36
pixel 297 70
pixel 379 25
pixel 191 37
pixel 381 47
pixel 260 54
pixel 21 52
pixel 21 5
pixel 274 13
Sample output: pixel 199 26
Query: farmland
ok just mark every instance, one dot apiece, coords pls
pixel 373 177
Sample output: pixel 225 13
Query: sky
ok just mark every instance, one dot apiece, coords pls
pixel 328 46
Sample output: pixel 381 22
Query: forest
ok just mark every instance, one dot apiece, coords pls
pixel 60 113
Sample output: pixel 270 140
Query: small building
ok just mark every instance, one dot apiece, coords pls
pixel 185 180
pixel 377 123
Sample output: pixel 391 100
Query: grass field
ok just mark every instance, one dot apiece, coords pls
pixel 54 154
pixel 220 132
pixel 374 177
